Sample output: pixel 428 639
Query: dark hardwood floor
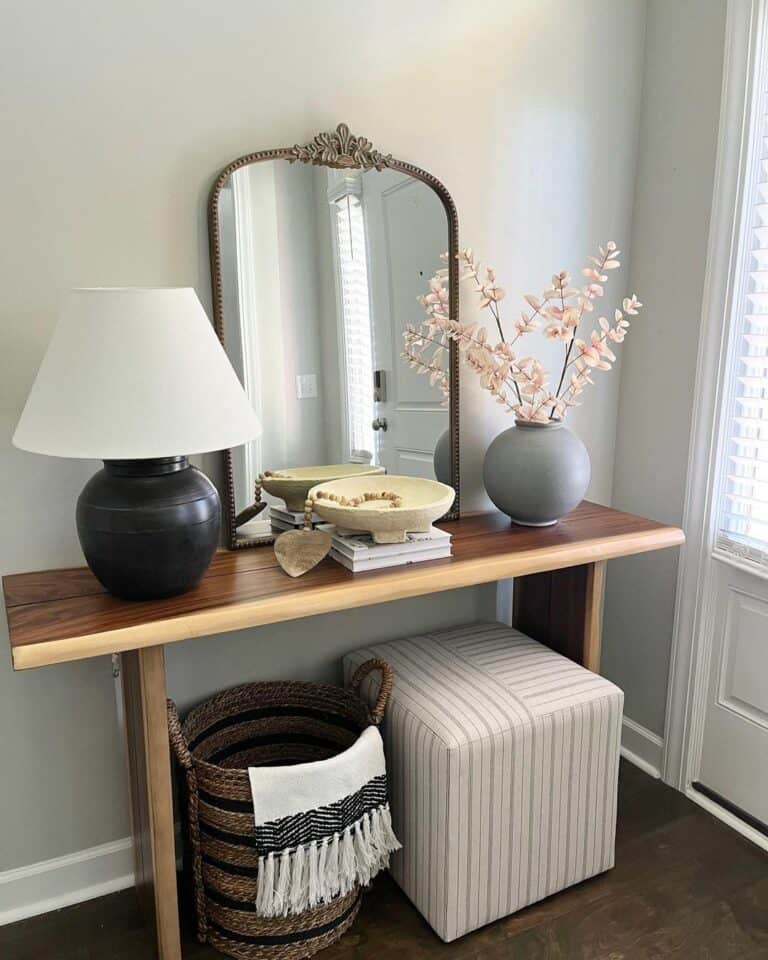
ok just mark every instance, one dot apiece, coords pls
pixel 684 886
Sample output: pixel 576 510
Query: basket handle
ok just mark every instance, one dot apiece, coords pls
pixel 176 737
pixel 385 689
pixel 181 750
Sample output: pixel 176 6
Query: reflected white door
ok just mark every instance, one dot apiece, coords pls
pixel 406 235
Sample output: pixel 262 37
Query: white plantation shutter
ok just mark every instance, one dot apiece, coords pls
pixel 743 507
pixel 356 325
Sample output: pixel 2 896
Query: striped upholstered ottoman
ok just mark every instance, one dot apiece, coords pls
pixel 503 762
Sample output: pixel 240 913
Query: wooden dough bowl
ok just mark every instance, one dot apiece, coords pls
pixel 294 483
pixel 423 502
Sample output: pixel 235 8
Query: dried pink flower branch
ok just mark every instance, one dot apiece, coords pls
pixel 521 384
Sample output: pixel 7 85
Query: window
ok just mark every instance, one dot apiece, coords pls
pixel 743 504
pixel 355 308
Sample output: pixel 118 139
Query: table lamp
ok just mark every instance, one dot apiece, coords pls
pixel 137 378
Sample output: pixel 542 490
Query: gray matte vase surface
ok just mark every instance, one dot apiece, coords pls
pixel 442 458
pixel 536 472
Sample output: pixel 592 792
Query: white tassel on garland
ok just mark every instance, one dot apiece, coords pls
pixel 319 871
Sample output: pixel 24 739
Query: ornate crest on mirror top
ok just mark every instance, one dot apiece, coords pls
pixel 341 150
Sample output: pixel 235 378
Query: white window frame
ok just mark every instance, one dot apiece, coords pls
pixel 694 613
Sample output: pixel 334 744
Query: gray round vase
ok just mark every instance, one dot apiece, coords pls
pixel 536 472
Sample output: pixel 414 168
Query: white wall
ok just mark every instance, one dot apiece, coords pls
pixel 116 116
pixel 675 168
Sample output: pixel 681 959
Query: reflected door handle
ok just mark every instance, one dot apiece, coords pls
pixel 380 423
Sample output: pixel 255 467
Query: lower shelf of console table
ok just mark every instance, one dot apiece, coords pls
pixel 56 616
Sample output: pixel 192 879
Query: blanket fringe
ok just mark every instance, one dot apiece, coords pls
pixel 313 873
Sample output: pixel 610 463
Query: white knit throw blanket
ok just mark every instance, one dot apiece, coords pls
pixel 322 827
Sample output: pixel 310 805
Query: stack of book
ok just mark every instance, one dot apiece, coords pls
pixel 282 520
pixel 357 552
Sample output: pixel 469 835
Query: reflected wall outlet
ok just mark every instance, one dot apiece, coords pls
pixel 306 386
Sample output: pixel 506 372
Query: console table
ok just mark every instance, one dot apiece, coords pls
pixel 59 615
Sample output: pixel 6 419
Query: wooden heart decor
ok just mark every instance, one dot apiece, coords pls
pixel 298 551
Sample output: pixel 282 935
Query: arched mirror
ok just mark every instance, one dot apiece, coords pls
pixel 318 255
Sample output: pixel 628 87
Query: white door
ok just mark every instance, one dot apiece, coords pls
pixel 407 233
pixel 732 722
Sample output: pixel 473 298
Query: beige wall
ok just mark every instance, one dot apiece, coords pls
pixel 675 168
pixel 117 115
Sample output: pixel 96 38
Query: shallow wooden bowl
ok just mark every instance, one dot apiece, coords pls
pixel 423 502
pixel 296 482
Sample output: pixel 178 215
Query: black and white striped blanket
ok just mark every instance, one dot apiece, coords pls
pixel 321 827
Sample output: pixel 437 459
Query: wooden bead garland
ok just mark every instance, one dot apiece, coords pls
pixel 274 473
pixel 395 500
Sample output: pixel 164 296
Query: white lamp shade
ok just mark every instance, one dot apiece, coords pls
pixel 132 374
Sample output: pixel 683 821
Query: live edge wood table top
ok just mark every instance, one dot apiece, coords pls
pixel 59 615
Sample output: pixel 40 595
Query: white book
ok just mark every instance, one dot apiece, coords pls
pixel 379 562
pixel 361 546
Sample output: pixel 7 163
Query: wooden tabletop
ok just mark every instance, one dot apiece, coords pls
pixel 60 615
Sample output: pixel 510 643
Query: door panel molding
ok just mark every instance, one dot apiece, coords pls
pixel 728 687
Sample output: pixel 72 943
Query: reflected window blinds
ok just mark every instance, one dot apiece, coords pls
pixel 356 324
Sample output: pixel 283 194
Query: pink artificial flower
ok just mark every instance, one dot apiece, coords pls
pixel 591 274
pixel 557 331
pixel 495 363
pixel 631 305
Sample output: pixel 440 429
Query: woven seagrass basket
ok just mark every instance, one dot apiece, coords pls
pixel 255 725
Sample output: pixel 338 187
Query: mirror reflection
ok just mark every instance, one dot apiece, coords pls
pixel 321 269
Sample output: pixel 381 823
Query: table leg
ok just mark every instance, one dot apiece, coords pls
pixel 562 609
pixel 149 762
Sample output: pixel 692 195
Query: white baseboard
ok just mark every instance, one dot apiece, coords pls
pixel 642 747
pixel 63 881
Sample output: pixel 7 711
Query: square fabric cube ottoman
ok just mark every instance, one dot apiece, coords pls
pixel 502 760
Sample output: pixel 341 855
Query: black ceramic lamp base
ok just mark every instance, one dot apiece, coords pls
pixel 148 528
